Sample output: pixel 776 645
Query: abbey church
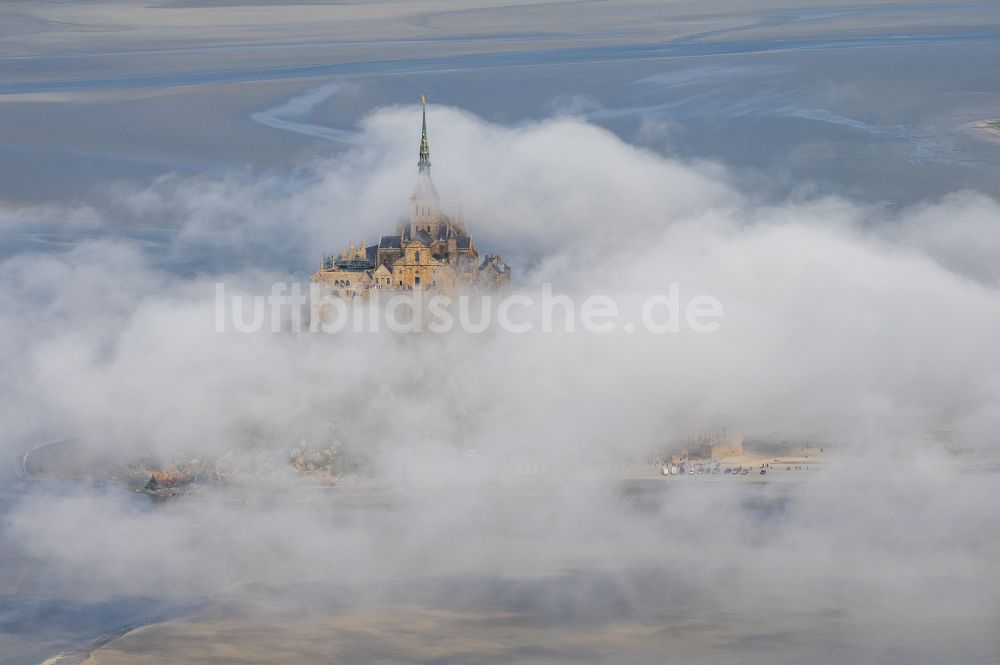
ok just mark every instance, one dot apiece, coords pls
pixel 429 251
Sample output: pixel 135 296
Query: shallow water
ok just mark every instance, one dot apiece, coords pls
pixel 40 616
pixel 592 606
pixel 871 102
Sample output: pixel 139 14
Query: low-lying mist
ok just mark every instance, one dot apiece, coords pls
pixel 874 331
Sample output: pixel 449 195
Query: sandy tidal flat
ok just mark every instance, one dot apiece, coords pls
pixel 989 129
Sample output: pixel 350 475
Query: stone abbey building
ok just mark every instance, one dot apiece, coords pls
pixel 429 251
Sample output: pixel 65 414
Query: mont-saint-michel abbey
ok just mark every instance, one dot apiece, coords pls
pixel 429 251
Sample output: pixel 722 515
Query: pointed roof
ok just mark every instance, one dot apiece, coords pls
pixel 424 190
pixel 425 148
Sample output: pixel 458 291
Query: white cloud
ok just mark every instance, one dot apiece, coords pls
pixel 872 337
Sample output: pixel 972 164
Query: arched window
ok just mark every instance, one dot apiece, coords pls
pixel 417 255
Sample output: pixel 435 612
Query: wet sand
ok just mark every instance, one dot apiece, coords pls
pixel 988 129
pixel 420 634
pixel 187 81
pixel 398 634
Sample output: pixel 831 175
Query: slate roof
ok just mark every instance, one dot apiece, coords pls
pixel 494 263
pixel 422 236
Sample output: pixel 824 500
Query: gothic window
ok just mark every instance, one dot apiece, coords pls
pixel 418 257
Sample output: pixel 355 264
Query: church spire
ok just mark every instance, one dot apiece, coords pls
pixel 425 148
